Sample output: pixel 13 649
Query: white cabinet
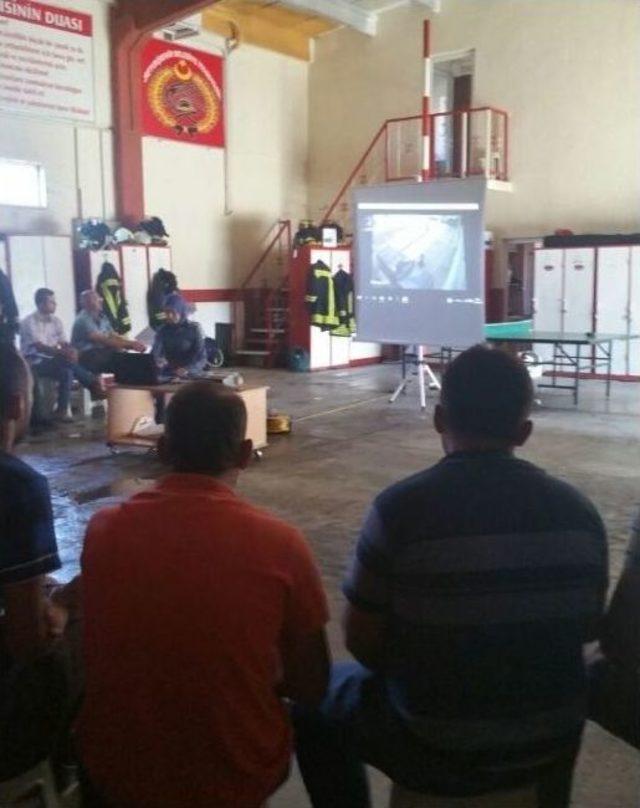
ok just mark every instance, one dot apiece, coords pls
pixel 579 275
pixel 34 262
pixel 612 300
pixel 135 282
pixel 135 263
pixel 548 293
pixel 634 312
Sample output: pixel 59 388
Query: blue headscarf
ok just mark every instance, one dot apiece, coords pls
pixel 176 302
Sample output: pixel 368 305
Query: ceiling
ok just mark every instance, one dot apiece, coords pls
pixel 289 26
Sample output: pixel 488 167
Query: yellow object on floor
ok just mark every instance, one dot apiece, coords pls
pixel 278 424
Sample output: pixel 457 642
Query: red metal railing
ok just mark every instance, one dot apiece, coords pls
pixel 264 286
pixel 463 143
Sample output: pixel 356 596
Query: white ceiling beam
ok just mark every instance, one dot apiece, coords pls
pixel 434 5
pixel 341 11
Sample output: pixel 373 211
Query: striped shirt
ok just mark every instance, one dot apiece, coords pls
pixel 27 538
pixel 492 575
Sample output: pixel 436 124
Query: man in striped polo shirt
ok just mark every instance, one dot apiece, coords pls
pixel 474 586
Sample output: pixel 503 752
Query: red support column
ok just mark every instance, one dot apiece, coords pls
pixel 132 22
pixel 426 101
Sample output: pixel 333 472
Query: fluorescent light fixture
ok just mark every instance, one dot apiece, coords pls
pixel 418 206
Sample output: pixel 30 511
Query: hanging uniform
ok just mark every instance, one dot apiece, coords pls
pixel 343 294
pixel 109 287
pixel 163 283
pixel 320 297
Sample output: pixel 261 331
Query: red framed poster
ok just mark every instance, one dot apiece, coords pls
pixel 182 94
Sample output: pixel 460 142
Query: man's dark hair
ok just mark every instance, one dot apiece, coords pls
pixel 486 393
pixel 204 427
pixel 41 295
pixel 10 366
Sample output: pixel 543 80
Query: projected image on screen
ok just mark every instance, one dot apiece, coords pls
pixel 417 251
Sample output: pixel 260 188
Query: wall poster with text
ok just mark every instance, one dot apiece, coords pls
pixel 46 61
pixel 182 94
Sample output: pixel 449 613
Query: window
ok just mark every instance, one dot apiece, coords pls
pixel 23 184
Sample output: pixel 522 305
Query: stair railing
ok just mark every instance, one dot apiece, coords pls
pixel 463 143
pixel 279 242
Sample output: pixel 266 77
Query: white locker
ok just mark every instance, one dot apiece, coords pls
pixel 612 308
pixel 58 269
pixel 579 270
pixel 135 280
pixel 26 270
pixel 634 313
pixel 159 258
pixel 319 349
pixel 548 291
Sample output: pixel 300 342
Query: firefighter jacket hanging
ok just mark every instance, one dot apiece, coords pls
pixel 329 300
pixel 343 294
pixel 320 298
pixel 163 283
pixel 109 287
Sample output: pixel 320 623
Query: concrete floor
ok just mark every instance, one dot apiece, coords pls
pixel 347 444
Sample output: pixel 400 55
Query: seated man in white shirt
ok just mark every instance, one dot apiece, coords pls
pixel 44 346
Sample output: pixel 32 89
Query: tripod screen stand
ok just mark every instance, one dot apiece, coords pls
pixel 421 369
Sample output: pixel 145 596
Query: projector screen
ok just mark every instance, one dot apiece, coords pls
pixel 420 263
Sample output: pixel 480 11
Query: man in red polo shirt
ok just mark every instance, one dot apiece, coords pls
pixel 201 613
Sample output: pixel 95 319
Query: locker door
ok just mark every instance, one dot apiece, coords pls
pixel 548 290
pixel 547 296
pixel 159 258
pixel 579 266
pixel 135 278
pixel 58 267
pixel 26 270
pixel 612 314
pixel 634 312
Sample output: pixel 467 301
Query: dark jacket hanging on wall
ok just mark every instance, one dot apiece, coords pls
pixel 343 291
pixel 9 316
pixel 163 283
pixel 109 287
pixel 320 297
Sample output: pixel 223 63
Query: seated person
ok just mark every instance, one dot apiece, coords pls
pixel 201 612
pixel 33 686
pixel 615 689
pixel 44 346
pixel 178 347
pixel 474 587
pixel 94 338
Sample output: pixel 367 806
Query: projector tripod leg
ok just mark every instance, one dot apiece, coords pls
pixel 401 388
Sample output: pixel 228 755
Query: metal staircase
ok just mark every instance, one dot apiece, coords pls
pixel 262 310
pixel 463 143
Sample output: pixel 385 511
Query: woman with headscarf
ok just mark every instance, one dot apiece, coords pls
pixel 178 346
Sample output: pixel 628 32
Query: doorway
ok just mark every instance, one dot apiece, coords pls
pixel 451 91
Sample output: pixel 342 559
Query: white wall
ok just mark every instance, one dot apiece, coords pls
pixel 77 158
pixel 567 71
pixel 267 97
